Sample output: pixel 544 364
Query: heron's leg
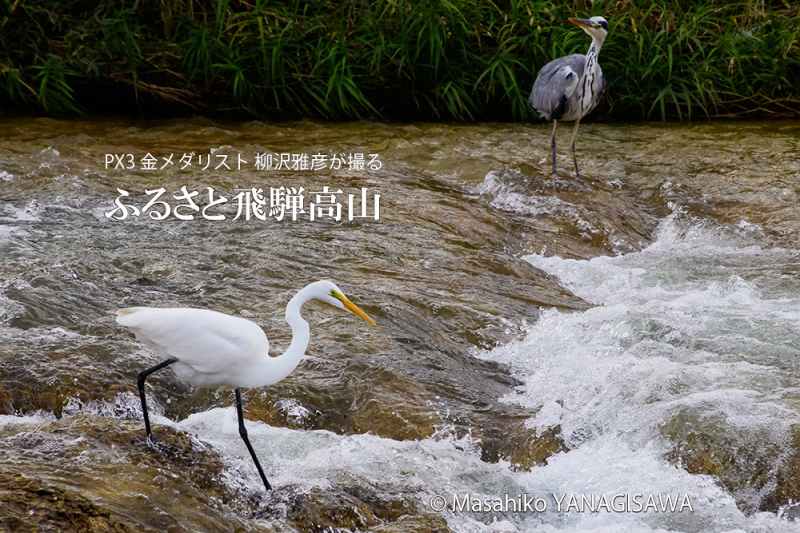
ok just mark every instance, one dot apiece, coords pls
pixel 553 145
pixel 140 382
pixel 575 136
pixel 243 434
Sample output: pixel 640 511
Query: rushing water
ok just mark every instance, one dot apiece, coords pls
pixel 634 331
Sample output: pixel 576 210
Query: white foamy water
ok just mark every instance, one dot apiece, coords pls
pixel 701 323
pixel 13 219
pixel 444 467
pixel 680 327
pixel 29 213
pixel 504 197
pixel 27 420
pixel 698 320
pixel 503 191
pixel 698 323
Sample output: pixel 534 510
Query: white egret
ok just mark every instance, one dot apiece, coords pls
pixel 211 348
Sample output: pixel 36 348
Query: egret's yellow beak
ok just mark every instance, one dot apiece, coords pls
pixel 353 308
pixel 581 23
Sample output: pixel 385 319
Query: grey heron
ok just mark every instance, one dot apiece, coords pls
pixel 569 88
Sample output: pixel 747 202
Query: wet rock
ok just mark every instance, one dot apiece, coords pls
pixel 98 474
pixel 786 491
pixel 354 506
pixel 320 510
pixel 6 405
pixel 525 448
pixel 386 410
pixel 44 369
pixel 281 412
pixel 377 401
pixel 31 504
pixel 415 524
pixel 745 464
pixel 575 217
pixel 529 448
pixel 57 395
pixel 89 473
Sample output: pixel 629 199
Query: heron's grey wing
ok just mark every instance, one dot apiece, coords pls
pixel 555 83
pixel 604 83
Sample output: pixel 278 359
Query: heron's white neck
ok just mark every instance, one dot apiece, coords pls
pixel 590 72
pixel 274 369
pixel 594 51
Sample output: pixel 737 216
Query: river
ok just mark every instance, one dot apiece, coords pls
pixel 634 332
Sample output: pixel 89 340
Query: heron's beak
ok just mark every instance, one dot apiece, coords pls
pixel 581 23
pixel 353 308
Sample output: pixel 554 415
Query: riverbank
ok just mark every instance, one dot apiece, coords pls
pixel 392 60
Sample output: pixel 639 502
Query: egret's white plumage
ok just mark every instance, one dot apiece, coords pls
pixel 211 348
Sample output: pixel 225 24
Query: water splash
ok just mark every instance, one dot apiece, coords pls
pixel 693 324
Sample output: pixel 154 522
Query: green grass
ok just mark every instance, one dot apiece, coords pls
pixel 393 59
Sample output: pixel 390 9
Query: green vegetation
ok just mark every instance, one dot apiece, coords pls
pixel 394 59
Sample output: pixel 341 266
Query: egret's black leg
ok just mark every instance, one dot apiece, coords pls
pixel 574 157
pixel 243 434
pixel 140 382
pixel 553 146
